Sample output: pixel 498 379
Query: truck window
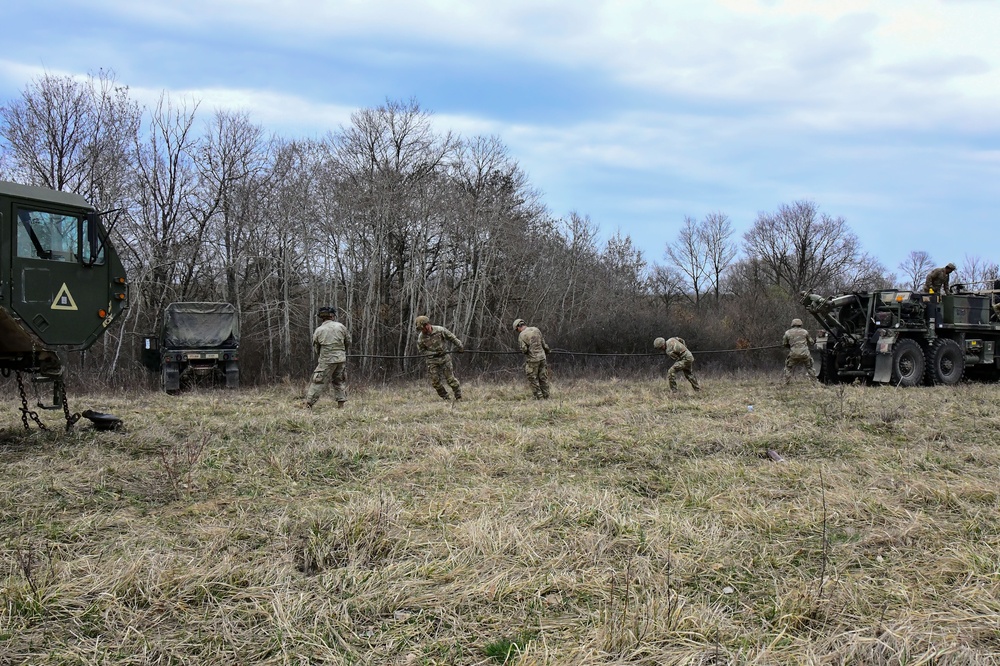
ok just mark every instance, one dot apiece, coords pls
pixel 52 236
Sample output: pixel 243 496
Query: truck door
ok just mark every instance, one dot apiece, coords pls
pixel 55 288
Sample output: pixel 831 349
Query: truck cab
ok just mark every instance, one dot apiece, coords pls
pixel 61 282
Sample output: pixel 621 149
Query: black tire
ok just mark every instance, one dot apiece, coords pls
pixel 947 362
pixel 907 363
pixel 828 368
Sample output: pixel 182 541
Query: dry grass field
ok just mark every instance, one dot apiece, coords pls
pixel 609 525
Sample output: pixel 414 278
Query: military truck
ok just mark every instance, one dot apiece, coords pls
pixel 198 344
pixel 61 284
pixel 907 338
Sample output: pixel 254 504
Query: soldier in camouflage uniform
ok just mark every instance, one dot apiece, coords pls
pixel 533 347
pixel 798 340
pixel 814 302
pixel 676 349
pixel 330 340
pixel 937 280
pixel 430 342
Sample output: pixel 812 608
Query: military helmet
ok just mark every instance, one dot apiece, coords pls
pixel 659 343
pixel 326 311
pixel 421 321
pixel 950 266
pixel 518 322
pixel 796 322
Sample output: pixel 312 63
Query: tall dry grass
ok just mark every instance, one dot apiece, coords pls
pixel 609 525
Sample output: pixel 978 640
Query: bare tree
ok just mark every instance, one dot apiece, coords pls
pixel 690 257
pixel 494 215
pixel 666 284
pixel 167 223
pixel 915 268
pixel 798 248
pixel 233 163
pixel 71 135
pixel 390 169
pixel 977 273
pixel 715 234
pixel 625 267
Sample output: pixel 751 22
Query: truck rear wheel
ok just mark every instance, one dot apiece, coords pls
pixel 907 363
pixel 827 368
pixel 947 361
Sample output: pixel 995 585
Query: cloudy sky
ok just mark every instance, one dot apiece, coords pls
pixel 637 113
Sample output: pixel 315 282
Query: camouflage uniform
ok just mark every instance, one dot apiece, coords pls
pixel 937 280
pixel 330 340
pixel 535 366
pixel 798 340
pixel 439 365
pixel 814 302
pixel 684 361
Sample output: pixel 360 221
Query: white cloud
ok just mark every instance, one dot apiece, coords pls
pixel 854 102
pixel 289 115
pixel 848 63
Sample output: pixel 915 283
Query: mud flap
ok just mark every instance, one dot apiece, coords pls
pixel 883 368
pixel 171 377
pixel 232 374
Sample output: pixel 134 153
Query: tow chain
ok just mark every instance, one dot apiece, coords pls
pixel 70 419
pixel 27 412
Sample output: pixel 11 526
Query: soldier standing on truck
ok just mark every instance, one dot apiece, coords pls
pixel 430 342
pixel 937 279
pixel 330 340
pixel 533 347
pixel 798 340
pixel 676 349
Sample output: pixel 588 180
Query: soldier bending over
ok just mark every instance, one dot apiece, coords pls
pixel 430 342
pixel 683 361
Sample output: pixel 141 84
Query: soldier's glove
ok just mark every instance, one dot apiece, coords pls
pixel 460 350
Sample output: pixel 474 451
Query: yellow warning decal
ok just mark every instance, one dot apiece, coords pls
pixel 64 300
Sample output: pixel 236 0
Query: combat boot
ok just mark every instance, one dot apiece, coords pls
pixel 443 393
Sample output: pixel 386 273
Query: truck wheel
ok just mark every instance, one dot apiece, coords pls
pixel 828 368
pixel 907 363
pixel 947 362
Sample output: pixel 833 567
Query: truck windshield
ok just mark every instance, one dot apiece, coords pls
pixel 53 236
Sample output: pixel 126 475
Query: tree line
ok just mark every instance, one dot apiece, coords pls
pixel 390 217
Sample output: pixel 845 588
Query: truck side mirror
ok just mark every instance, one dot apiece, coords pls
pixel 93 238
